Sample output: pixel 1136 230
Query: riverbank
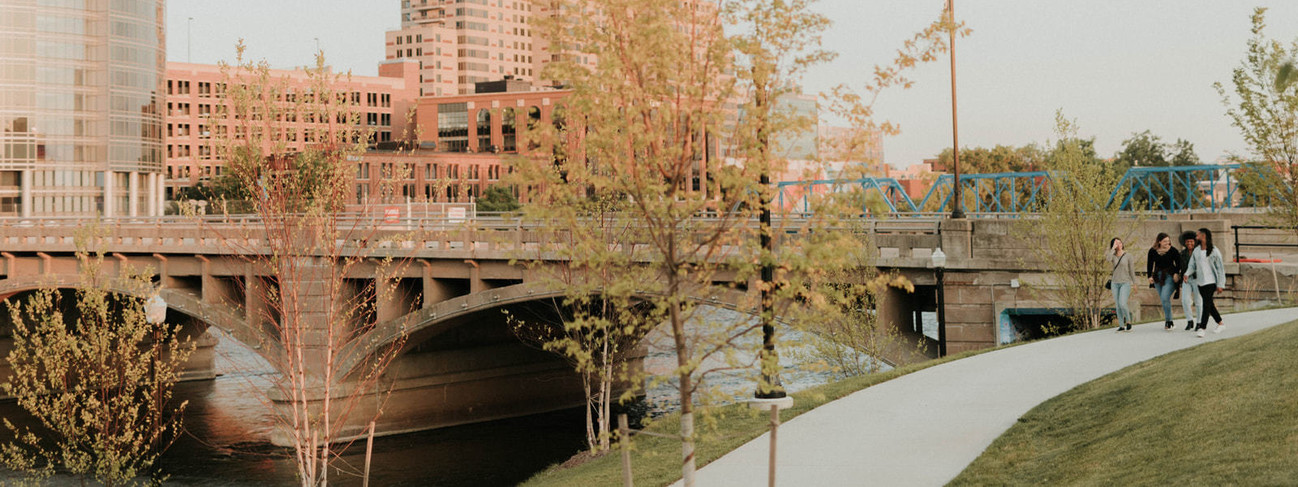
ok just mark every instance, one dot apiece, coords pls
pixel 656 461
pixel 891 432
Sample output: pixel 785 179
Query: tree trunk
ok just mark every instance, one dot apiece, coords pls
pixel 686 385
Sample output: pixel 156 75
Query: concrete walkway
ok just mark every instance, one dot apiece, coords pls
pixel 926 427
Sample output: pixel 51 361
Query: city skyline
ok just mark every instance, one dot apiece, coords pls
pixel 1151 69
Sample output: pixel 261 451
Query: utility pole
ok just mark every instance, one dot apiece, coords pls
pixel 957 205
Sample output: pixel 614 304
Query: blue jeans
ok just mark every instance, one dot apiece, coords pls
pixel 1165 290
pixel 1191 301
pixel 1122 291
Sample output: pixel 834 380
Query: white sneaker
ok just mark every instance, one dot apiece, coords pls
pixel 1201 333
pixel 1219 328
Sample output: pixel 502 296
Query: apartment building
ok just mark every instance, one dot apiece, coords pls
pixel 384 102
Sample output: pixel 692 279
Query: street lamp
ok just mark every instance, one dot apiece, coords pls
pixel 155 310
pixel 939 264
pixel 155 313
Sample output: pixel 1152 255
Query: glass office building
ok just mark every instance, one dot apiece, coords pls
pixel 80 94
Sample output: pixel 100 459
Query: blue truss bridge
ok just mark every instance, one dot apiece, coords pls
pixel 1199 188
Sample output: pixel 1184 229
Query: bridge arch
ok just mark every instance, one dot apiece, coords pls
pixel 179 301
pixel 444 316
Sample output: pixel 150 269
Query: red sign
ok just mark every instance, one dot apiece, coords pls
pixel 391 214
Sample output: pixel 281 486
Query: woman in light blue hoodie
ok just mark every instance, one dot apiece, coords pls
pixel 1208 271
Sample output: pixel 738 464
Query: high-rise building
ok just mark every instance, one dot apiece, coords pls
pixel 80 94
pixel 462 42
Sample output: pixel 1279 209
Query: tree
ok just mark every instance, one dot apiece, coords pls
pixel 1142 149
pixel 311 308
pixel 646 128
pixel 1263 105
pixel 498 198
pixel 97 376
pixel 998 159
pixel 1182 153
pixel 1070 237
pixel 1145 149
pixel 603 322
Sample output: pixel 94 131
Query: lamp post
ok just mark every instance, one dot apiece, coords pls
pixel 155 313
pixel 189 40
pixel 939 265
pixel 957 206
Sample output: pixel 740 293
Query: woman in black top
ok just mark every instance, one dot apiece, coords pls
pixel 1162 265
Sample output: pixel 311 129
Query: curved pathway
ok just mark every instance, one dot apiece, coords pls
pixel 926 427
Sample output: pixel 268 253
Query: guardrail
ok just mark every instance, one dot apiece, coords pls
pixel 1236 228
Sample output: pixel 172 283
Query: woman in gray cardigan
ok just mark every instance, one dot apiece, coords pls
pixel 1124 276
pixel 1208 272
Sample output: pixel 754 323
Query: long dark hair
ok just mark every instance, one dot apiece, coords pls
pixel 1207 240
pixel 1159 238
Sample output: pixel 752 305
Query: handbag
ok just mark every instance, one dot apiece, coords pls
pixel 1109 283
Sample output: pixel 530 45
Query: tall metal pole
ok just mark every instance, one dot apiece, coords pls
pixel 189 40
pixel 957 205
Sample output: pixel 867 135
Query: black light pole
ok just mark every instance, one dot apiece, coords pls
pixel 939 264
pixel 770 377
pixel 957 206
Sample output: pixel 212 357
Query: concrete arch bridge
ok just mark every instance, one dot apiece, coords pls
pixel 460 362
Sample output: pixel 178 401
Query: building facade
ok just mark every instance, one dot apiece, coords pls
pixel 462 42
pixel 81 91
pixel 384 103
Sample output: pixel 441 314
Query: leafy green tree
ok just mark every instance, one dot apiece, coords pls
pixel 998 159
pixel 1262 103
pixel 98 377
pixel 1181 153
pixel 1070 237
pixel 498 198
pixel 1143 149
pixel 649 79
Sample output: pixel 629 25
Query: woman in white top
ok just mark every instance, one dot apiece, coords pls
pixel 1208 272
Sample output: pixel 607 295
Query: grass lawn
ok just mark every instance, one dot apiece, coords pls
pixel 656 461
pixel 1224 413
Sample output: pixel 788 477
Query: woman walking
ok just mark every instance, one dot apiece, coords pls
pixel 1162 265
pixel 1123 277
pixel 1191 301
pixel 1209 273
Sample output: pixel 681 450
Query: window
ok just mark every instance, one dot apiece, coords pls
pixel 484 131
pixel 453 127
pixel 507 131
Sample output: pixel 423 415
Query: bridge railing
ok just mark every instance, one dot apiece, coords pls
pixel 1178 188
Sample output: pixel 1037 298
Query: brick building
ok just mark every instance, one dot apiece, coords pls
pixel 384 104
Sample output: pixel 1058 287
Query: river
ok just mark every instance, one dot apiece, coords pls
pixel 227 426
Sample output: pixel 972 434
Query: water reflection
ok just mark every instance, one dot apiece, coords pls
pixel 228 426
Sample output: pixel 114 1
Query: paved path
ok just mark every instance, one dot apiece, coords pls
pixel 926 427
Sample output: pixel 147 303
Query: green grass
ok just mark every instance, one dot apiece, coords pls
pixel 1224 413
pixel 656 461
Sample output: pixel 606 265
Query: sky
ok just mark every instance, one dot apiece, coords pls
pixel 1116 67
